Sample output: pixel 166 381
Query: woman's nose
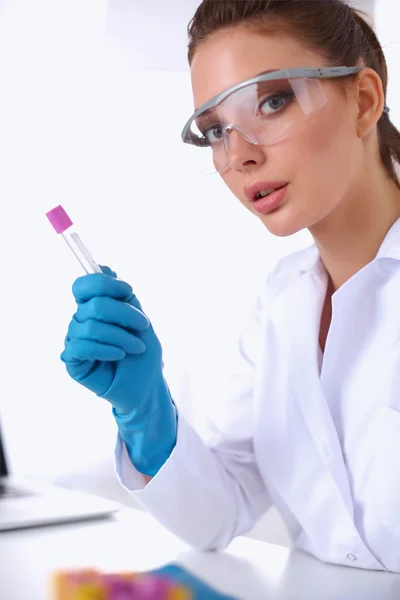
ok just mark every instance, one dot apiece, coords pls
pixel 241 152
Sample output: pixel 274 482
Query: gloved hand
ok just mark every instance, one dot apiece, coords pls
pixel 111 349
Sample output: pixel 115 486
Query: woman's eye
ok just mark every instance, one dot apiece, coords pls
pixel 275 103
pixel 213 134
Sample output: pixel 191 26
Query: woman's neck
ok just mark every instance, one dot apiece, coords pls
pixel 349 238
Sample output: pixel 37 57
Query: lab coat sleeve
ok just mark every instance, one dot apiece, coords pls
pixel 210 489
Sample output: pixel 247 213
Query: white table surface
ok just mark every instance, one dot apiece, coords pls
pixel 133 540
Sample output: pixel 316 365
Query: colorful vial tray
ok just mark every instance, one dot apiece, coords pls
pixel 91 584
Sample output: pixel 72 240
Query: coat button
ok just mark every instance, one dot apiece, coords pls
pixel 351 557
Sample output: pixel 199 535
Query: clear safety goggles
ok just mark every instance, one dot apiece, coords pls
pixel 262 110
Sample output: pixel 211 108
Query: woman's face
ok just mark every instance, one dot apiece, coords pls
pixel 320 157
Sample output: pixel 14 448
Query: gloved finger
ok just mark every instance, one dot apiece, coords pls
pixel 99 284
pixel 79 350
pixel 104 333
pixel 116 312
pixel 132 299
pixel 107 271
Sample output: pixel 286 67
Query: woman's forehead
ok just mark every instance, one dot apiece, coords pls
pixel 228 58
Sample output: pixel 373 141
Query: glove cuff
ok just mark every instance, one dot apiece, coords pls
pixel 151 437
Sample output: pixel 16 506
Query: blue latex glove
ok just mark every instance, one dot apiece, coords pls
pixel 200 590
pixel 111 349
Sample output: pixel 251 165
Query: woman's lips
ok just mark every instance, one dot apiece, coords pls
pixel 255 187
pixel 271 202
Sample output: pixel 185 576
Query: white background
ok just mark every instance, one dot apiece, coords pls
pixel 93 98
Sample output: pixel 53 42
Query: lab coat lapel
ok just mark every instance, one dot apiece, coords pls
pixel 295 318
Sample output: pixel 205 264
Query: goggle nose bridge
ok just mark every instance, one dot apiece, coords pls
pixel 231 127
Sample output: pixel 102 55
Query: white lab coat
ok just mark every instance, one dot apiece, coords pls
pixel 323 446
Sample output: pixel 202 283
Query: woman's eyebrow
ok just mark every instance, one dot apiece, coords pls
pixel 205 117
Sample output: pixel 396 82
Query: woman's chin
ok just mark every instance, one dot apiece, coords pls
pixel 281 223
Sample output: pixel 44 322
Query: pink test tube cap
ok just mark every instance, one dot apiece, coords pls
pixel 59 219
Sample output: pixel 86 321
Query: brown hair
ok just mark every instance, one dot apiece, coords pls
pixel 340 33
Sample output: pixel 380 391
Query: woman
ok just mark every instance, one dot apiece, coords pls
pixel 313 418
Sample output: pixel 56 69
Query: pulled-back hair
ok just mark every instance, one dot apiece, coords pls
pixel 338 32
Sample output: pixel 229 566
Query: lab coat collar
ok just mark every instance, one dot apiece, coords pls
pixel 313 263
pixel 390 248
